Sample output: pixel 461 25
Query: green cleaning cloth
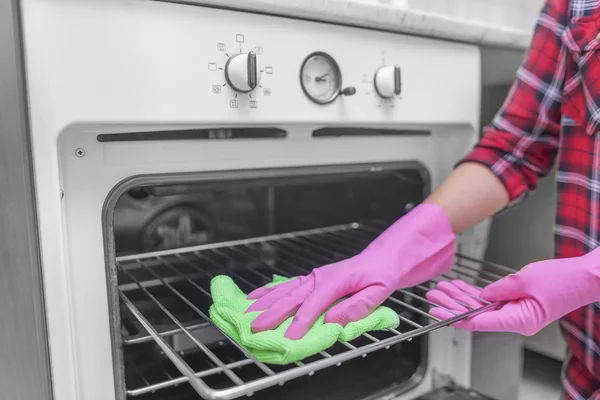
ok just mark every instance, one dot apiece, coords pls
pixel 272 347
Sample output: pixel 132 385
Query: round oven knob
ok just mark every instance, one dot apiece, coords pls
pixel 387 81
pixel 241 72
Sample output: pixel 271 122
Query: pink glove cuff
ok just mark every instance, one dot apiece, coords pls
pixel 430 219
pixel 432 245
pixel 588 267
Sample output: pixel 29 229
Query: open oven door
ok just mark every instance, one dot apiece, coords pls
pixel 454 392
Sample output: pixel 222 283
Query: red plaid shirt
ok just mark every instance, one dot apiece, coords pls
pixel 553 110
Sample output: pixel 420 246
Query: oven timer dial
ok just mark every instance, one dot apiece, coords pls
pixel 242 73
pixel 387 81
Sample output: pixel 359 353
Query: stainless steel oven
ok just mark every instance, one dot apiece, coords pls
pixel 156 145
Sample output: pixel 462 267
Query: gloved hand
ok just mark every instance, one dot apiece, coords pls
pixel 416 248
pixel 539 294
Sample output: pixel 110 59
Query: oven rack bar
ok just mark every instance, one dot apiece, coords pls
pixel 186 273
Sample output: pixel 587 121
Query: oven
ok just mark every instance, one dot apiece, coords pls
pixel 169 143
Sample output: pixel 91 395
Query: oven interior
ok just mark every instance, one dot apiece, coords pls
pixel 250 229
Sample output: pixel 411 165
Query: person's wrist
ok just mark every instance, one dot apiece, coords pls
pixel 434 220
pixel 425 232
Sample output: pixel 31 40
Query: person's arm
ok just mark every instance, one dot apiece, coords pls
pixel 521 143
pixel 543 291
pixel 471 194
pixel 518 148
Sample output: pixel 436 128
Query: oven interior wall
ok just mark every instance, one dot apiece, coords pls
pixel 164 217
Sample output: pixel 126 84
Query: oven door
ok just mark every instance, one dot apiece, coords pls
pixel 453 392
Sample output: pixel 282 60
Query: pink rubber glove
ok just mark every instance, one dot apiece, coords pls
pixel 539 294
pixel 416 248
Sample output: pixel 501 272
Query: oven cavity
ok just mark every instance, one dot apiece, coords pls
pixel 172 237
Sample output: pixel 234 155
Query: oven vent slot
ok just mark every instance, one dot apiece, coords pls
pixel 358 132
pixel 195 134
pixel 186 273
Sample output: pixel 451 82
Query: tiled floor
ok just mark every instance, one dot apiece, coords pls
pixel 541 378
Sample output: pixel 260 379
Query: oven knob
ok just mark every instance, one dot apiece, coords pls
pixel 387 81
pixel 241 72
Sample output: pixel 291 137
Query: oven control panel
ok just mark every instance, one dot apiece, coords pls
pixel 242 76
pixel 256 67
pixel 189 64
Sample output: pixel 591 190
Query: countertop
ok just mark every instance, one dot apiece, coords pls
pixel 506 24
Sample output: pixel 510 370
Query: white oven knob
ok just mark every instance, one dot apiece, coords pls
pixel 241 72
pixel 387 81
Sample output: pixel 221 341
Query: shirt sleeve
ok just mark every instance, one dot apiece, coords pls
pixel 521 143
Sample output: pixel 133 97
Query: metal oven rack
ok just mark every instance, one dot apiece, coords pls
pixel 185 274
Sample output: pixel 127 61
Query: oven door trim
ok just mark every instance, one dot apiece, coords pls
pixel 231 176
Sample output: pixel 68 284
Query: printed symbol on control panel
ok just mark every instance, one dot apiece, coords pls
pixel 253 104
pixel 267 91
pixel 269 70
pixel 221 47
pixel 258 50
pixel 233 103
pixel 212 66
pixel 216 89
pixel 239 38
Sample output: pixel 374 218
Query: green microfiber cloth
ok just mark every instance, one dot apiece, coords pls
pixel 228 313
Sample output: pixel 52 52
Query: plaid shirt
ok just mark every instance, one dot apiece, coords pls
pixel 553 111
